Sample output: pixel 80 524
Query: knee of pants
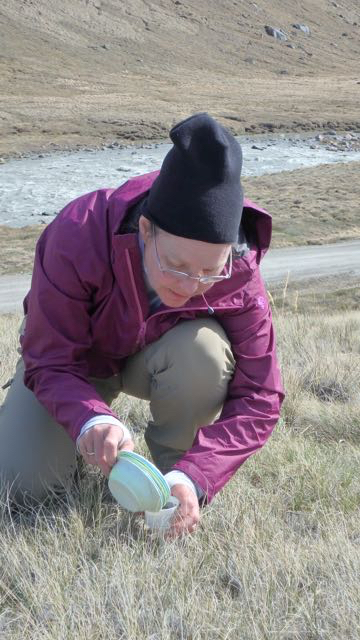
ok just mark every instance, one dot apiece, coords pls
pixel 35 484
pixel 195 357
pixel 190 372
pixel 36 454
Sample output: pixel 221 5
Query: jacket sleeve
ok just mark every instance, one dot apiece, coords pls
pixel 255 395
pixel 58 333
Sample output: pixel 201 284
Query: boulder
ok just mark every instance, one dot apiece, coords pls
pixel 278 34
pixel 302 27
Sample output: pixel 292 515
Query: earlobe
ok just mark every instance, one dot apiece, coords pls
pixel 144 228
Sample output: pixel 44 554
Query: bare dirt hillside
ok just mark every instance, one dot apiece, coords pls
pixel 80 72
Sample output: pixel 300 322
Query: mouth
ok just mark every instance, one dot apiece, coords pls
pixel 178 296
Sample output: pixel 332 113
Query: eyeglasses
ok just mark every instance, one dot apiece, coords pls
pixel 182 274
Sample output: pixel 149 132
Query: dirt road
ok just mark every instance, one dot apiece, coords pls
pixel 297 263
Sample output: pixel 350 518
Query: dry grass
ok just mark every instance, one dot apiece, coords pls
pixel 313 205
pixel 277 556
pixel 83 73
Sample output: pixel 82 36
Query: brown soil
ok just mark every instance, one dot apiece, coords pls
pixel 309 206
pixel 94 71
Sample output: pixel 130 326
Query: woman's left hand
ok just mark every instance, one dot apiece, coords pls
pixel 187 515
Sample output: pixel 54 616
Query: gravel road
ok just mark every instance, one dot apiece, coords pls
pixel 300 263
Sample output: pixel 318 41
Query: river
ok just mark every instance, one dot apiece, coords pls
pixel 33 189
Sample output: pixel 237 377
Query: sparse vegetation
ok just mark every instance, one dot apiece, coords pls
pixel 276 557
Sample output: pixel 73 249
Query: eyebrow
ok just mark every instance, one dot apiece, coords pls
pixel 177 264
pixel 182 265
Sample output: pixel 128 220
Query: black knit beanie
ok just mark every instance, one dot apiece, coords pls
pixel 198 194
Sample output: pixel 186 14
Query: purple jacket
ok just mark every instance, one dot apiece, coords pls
pixel 88 310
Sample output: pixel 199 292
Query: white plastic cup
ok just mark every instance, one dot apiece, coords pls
pixel 160 520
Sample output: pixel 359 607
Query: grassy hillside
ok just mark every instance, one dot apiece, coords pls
pixel 92 70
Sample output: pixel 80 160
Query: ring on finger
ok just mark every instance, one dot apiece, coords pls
pixel 90 453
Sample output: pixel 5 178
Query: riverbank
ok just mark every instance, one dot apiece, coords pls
pixel 317 205
pixel 299 105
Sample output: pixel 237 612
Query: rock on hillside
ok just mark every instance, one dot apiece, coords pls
pixel 86 71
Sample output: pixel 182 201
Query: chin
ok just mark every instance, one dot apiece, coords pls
pixel 172 299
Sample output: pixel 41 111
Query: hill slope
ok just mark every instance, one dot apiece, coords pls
pixel 87 71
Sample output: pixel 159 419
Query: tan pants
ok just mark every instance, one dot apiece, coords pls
pixel 184 374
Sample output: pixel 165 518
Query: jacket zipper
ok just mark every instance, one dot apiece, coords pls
pixel 142 331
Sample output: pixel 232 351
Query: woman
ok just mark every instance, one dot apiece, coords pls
pixel 154 290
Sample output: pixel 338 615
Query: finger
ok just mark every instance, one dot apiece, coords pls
pixel 112 448
pixel 181 525
pixel 81 445
pixel 99 444
pixel 179 531
pixel 187 513
pixel 86 447
pixel 111 444
pixel 128 445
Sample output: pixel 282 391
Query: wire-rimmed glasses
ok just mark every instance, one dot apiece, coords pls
pixel 182 274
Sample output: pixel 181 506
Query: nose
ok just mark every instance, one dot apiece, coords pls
pixel 187 287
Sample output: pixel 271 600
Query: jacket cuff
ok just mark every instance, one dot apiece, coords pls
pixel 179 477
pixel 198 477
pixel 101 420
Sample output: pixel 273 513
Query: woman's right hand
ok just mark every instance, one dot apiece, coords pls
pixel 100 445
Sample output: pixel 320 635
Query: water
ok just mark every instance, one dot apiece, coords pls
pixel 34 189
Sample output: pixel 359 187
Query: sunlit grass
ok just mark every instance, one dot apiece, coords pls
pixel 277 555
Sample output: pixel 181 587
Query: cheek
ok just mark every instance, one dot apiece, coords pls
pixel 205 287
pixel 152 272
pixel 155 277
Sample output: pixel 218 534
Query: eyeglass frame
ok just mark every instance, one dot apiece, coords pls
pixel 200 279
